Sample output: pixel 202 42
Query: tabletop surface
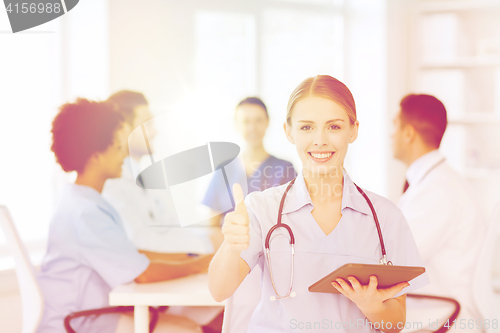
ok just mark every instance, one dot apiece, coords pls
pixel 186 291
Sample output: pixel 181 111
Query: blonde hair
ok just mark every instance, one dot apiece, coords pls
pixel 323 86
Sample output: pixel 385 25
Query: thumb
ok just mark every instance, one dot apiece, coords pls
pixel 238 199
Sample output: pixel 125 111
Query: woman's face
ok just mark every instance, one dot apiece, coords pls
pixel 251 122
pixel 321 132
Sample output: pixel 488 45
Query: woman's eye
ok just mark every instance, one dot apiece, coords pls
pixel 305 128
pixel 335 127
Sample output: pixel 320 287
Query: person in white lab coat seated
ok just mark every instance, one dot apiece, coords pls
pixel 88 252
pixel 149 216
pixel 445 219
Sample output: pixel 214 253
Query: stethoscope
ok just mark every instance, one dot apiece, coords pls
pixel 290 293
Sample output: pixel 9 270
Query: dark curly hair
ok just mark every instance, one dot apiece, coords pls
pixel 82 129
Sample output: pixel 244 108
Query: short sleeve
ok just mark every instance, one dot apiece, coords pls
pixel 254 252
pixel 401 248
pixel 104 246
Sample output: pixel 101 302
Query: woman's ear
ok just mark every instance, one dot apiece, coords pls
pixel 96 158
pixel 288 132
pixel 354 132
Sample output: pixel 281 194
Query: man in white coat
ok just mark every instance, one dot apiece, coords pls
pixel 447 223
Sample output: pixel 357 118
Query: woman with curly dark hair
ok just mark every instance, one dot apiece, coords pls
pixel 88 251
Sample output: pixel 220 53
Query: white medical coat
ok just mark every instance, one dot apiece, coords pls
pixel 448 227
pixel 149 216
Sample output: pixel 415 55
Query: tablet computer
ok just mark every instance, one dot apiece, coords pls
pixel 387 276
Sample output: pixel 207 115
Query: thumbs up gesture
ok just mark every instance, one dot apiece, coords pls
pixel 236 228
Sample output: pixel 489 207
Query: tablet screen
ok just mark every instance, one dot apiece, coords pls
pixel 387 276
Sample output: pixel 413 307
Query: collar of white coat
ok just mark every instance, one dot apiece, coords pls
pixel 419 168
pixel 298 196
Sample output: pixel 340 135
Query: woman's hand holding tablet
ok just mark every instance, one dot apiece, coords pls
pixel 368 286
pixel 368 298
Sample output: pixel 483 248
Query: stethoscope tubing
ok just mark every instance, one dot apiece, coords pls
pixel 383 260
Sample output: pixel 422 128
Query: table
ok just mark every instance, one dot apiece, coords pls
pixel 186 291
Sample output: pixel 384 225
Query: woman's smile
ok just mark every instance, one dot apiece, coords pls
pixel 321 156
pixel 321 131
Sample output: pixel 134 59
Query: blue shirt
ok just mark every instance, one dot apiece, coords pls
pixel 88 254
pixel 272 172
pixel 354 240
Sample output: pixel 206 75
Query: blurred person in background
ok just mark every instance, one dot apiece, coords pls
pixel 149 216
pixel 445 219
pixel 261 171
pixel 88 252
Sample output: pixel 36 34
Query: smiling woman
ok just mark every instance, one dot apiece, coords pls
pixel 324 123
pixel 321 131
pixel 331 222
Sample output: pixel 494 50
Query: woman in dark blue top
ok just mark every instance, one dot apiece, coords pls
pixel 256 167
